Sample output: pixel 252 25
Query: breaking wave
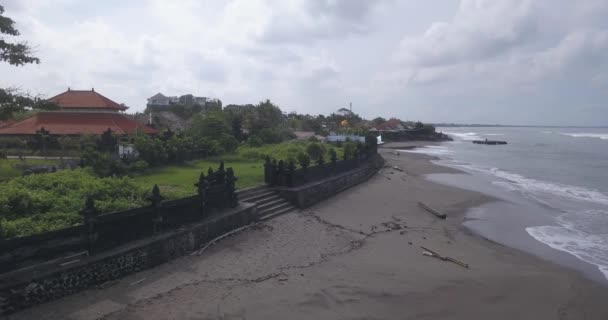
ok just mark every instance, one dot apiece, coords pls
pixel 582 233
pixel 468 136
pixel 430 150
pixel 572 237
pixel 513 181
pixel 603 136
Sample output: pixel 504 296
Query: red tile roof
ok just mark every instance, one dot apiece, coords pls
pixel 75 123
pixel 85 99
pixel 391 124
pixel 4 123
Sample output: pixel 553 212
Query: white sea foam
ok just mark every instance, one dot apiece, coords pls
pixel 493 134
pixel 589 247
pixel 516 182
pixel 583 234
pixel 603 136
pixel 468 136
pixel 430 150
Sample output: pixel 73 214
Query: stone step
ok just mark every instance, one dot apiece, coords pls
pixel 257 197
pixel 268 216
pixel 252 191
pixel 273 209
pixel 268 199
pixel 271 204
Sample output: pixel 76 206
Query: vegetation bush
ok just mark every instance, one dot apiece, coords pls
pixel 315 151
pixel 45 202
pixel 303 160
pixel 287 151
pixel 349 150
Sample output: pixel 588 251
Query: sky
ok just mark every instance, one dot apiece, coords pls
pixel 469 61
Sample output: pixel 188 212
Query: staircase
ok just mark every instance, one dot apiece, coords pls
pixel 269 202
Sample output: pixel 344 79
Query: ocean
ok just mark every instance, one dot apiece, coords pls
pixel 554 187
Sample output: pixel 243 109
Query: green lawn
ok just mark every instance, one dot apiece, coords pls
pixel 8 170
pixel 178 180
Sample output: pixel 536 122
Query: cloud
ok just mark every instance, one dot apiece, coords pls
pixel 469 61
pixel 509 41
pixel 303 22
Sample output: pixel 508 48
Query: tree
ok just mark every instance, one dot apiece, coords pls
pixel 19 53
pixel 315 151
pixel 378 121
pixel 42 140
pixel 107 141
pixel 210 126
pixel 16 54
pixel 237 131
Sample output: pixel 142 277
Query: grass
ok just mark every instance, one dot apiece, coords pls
pixel 283 151
pixel 178 180
pixel 8 166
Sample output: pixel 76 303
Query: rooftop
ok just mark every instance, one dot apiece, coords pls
pixel 85 99
pixel 75 123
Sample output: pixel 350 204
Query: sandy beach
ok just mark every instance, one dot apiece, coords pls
pixel 354 256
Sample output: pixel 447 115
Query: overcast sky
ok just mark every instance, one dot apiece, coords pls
pixel 471 61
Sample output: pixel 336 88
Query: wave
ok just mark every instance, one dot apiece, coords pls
pixel 517 182
pixel 430 150
pixel 591 248
pixel 469 136
pixel 493 134
pixel 603 136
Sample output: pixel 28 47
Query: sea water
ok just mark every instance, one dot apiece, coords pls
pixel 564 171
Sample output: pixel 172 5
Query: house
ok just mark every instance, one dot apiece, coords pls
pixel 391 125
pixel 333 137
pixel 305 135
pixel 160 100
pixel 80 112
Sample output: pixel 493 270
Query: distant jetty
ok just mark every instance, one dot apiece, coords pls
pixel 491 142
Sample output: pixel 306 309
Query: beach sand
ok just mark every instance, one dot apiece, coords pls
pixel 354 256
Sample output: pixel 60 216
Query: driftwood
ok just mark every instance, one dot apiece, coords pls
pixel 444 258
pixel 436 213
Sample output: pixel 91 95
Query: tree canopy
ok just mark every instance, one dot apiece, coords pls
pixel 17 54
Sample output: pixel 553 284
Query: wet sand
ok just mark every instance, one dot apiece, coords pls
pixel 354 256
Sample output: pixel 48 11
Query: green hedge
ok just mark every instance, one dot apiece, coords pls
pixel 45 202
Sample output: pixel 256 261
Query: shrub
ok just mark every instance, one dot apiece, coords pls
pixel 45 202
pixel 303 160
pixel 333 155
pixel 315 151
pixel 139 166
pixel 349 150
pixel 228 142
pixel 255 141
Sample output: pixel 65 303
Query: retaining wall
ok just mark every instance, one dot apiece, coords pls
pixel 311 193
pixel 48 281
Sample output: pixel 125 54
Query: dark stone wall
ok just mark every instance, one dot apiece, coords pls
pixel 309 194
pixel 49 281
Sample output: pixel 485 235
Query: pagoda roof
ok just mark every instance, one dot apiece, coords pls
pixel 85 99
pixel 75 123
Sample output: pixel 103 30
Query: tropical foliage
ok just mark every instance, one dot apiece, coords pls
pixel 45 202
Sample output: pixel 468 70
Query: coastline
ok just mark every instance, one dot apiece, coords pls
pixel 507 216
pixel 355 256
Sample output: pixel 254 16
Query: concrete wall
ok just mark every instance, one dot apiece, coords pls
pixel 49 281
pixel 311 193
